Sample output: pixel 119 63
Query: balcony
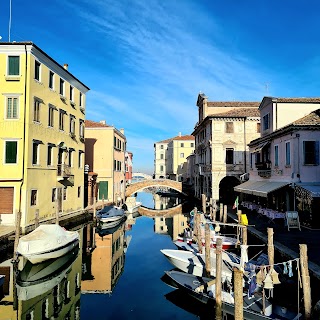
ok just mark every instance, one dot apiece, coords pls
pixel 63 172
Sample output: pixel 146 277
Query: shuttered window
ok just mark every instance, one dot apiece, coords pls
pixel 311 152
pixel 12 108
pixel 11 152
pixel 6 203
pixel 14 65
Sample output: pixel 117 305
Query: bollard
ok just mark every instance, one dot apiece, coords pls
pixel 219 279
pixel 270 248
pixel 221 212
pixel 204 204
pixel 207 249
pixel 305 281
pixel 238 293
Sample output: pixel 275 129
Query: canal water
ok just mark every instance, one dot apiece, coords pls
pixel 116 274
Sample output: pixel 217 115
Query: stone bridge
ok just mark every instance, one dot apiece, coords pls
pixel 160 213
pixel 137 186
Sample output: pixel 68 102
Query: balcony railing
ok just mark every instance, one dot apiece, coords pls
pixel 268 173
pixel 63 170
pixel 263 165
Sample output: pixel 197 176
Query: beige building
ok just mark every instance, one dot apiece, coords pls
pixel 221 136
pixel 105 155
pixel 42 112
pixel 160 155
pixel 178 149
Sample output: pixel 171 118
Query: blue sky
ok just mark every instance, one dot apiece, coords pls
pixel 145 61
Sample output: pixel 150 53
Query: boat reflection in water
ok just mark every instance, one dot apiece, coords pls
pixel 103 266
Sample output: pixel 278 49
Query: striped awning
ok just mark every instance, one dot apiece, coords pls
pixel 260 188
pixel 306 192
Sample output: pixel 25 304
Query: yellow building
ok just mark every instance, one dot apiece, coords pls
pixel 178 149
pixel 105 155
pixel 42 111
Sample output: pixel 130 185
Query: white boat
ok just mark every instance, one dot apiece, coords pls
pixel 134 208
pixel 110 215
pixel 48 241
pixel 254 308
pixel 193 263
pixel 36 279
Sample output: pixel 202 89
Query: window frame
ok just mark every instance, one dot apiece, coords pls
pixel 51 115
pixel 5 152
pixel 37 70
pixel 54 195
pixel 14 98
pixel 36 110
pixel 288 154
pixel 49 155
pixel 35 153
pixel 266 122
pixel 228 150
pixel 61 87
pixel 276 155
pixel 229 127
pixel 8 66
pixel 315 152
pixel 33 197
pixel 62 113
pixel 51 80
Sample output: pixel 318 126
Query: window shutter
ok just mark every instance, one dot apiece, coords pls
pixel 14 66
pixel 304 152
pixel 11 151
pixel 317 152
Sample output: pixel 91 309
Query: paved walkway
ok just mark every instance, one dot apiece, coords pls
pixel 6 231
pixel 286 242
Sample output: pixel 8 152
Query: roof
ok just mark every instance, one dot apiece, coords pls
pixel 165 141
pixel 185 137
pixel 312 119
pixel 235 104
pixel 239 112
pixel 30 43
pixel 301 100
pixel 94 124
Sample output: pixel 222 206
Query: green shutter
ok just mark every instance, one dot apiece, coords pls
pixel 11 151
pixel 14 62
pixel 103 190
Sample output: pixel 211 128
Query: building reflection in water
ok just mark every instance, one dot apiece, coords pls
pixel 47 290
pixel 104 264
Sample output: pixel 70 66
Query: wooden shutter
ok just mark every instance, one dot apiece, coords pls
pixel 11 151
pixel 6 200
pixel 103 190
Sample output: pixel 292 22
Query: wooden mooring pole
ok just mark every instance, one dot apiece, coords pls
pixel 219 279
pixel 199 233
pixel 270 248
pixel 204 203
pixel 221 212
pixel 57 212
pixel 207 249
pixel 244 235
pixel 94 208
pixel 17 233
pixel 225 213
pixel 305 281
pixel 213 209
pixel 36 219
pixel 238 293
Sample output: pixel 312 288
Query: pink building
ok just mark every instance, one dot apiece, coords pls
pixel 128 164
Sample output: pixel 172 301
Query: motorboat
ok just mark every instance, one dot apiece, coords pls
pixel 110 216
pixel 255 306
pixel 36 279
pixel 194 263
pixel 48 241
pixel 132 205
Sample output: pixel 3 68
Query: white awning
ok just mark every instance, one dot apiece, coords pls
pixel 260 188
pixel 308 190
pixel 261 146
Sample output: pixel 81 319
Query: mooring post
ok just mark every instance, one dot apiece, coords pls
pixel 94 208
pixel 204 203
pixel 244 235
pixel 36 219
pixel 239 212
pixel 225 213
pixel 238 293
pixel 270 248
pixel 199 232
pixel 305 281
pixel 208 250
pixel 221 212
pixel 57 212
pixel 219 279
pixel 17 233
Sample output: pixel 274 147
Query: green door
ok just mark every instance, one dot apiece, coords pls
pixel 103 190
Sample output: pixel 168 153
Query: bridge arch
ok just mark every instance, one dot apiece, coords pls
pixel 137 186
pixel 160 213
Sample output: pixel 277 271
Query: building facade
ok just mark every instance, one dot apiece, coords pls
pixel 129 166
pixel 105 155
pixel 42 112
pixel 160 155
pixel 284 161
pixel 178 149
pixel 221 136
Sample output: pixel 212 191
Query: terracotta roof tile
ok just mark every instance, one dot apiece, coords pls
pixel 94 124
pixel 239 112
pixel 312 119
pixel 301 100
pixel 235 104
pixel 186 137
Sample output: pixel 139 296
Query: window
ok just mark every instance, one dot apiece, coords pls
pixel 54 194
pixel 51 116
pixel 11 151
pixel 70 157
pixel 161 156
pixel 161 146
pixel 33 201
pixel 49 156
pixel 61 88
pixel 251 160
pixel 80 99
pixel 266 122
pixel 61 119
pixel 229 127
pixel 13 65
pixel 276 156
pixel 258 127
pixel 80 159
pixel 81 128
pixel 71 93
pixel 182 145
pixel 181 155
pixel 311 152
pixel 114 165
pixel 161 168
pixel 36 110
pixel 37 70
pixel 79 192
pixel 229 156
pixel 72 124
pixel 12 108
pixel 191 144
pixel 35 152
pixel 64 193
pixel 288 160
pixel 51 80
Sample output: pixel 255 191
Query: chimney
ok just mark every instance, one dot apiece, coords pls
pixel 122 131
pixel 103 121
pixel 66 66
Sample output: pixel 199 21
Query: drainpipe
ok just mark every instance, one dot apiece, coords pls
pixel 24 133
pixel 245 145
pixel 276 114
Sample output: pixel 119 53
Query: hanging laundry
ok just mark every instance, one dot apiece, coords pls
pixel 274 276
pixel 268 284
pixel 252 287
pixel 244 256
pixel 290 268
pixel 260 276
pixel 285 269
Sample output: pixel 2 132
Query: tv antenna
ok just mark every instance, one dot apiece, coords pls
pixel 9 32
pixel 267 88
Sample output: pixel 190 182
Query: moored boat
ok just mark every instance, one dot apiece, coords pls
pixel 48 241
pixel 110 215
